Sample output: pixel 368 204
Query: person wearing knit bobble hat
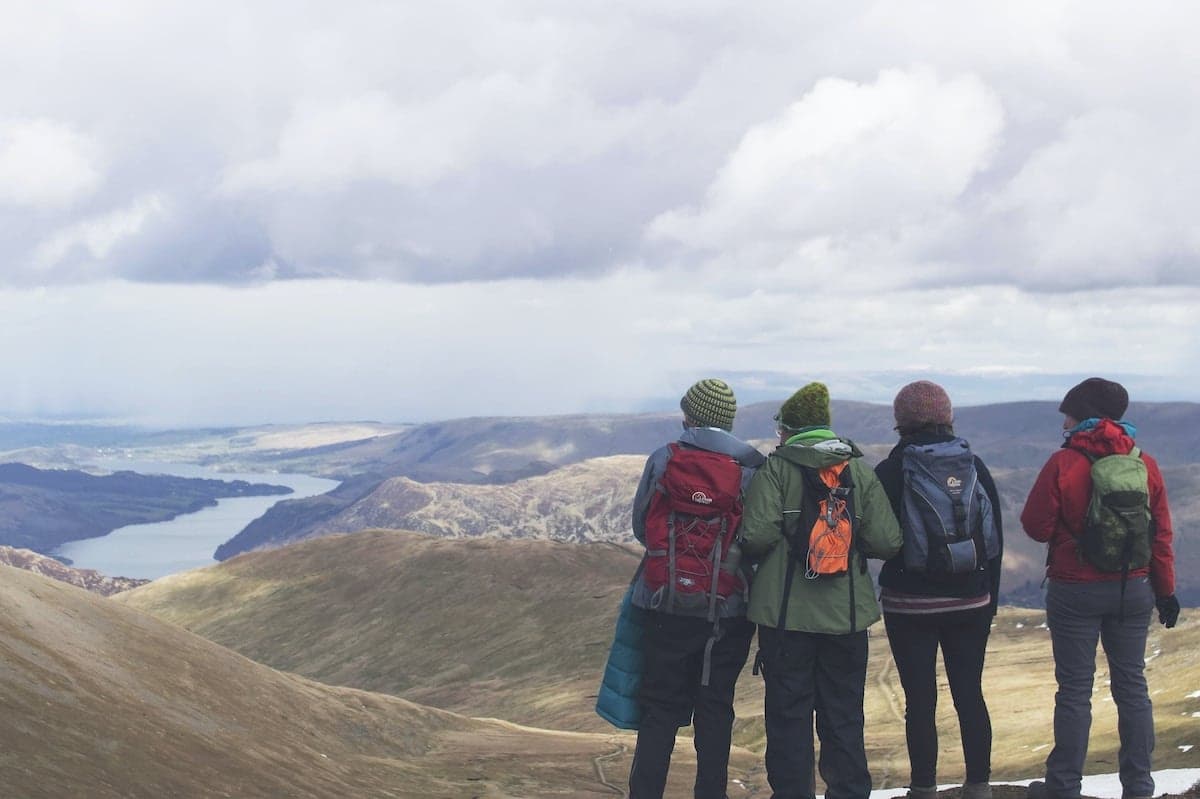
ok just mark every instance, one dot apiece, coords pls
pixel 923 609
pixel 691 667
pixel 1085 602
pixel 812 629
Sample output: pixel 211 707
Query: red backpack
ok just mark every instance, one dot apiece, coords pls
pixel 690 525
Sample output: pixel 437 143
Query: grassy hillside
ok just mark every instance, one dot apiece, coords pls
pixel 520 629
pixel 441 622
pixel 105 702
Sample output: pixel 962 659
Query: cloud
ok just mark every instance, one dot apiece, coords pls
pixel 1031 145
pixel 93 239
pixel 496 119
pixel 847 160
pixel 45 164
pixel 1106 202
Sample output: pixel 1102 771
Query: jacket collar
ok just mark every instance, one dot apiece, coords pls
pixel 1105 437
pixel 920 439
pixel 714 439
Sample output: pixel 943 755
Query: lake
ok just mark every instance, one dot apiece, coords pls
pixel 187 541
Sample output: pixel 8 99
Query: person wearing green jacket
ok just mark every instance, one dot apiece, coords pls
pixel 812 625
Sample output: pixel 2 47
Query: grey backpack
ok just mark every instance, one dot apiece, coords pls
pixel 947 519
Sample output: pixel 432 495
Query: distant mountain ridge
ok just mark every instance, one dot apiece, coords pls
pixel 581 502
pixel 1013 438
pixel 501 449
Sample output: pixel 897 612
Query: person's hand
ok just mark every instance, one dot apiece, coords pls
pixel 1168 610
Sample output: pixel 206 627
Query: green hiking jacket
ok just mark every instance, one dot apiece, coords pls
pixel 819 605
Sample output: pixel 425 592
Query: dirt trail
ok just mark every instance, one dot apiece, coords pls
pixel 898 754
pixel 598 763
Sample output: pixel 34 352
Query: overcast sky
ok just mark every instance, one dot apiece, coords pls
pixel 285 211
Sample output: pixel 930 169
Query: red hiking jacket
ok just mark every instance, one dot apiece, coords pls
pixel 1058 502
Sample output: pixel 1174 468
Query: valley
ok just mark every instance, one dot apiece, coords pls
pixel 520 629
pixel 436 625
pixel 106 702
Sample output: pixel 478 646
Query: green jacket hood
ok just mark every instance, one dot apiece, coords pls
pixel 817 452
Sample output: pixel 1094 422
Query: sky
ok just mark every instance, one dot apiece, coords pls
pixel 281 212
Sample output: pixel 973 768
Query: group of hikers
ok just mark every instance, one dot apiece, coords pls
pixel 738 543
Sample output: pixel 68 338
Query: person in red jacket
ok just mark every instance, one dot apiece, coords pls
pixel 1084 604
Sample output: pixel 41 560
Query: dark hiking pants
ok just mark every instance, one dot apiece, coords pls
pixel 672 697
pixel 1078 614
pixel 822 675
pixel 962 636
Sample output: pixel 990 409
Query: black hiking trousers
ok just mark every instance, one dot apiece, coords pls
pixel 821 675
pixel 962 636
pixel 672 697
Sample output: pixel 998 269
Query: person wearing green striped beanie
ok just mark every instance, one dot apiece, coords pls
pixel 693 653
pixel 709 403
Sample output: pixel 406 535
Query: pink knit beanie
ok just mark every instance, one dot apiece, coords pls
pixel 922 403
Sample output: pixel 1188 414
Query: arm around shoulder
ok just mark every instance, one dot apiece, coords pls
pixel 762 515
pixel 881 536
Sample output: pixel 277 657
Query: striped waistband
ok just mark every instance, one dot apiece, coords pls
pixel 914 604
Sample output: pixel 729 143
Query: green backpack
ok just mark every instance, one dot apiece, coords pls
pixel 1116 532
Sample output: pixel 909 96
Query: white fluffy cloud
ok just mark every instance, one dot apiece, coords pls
pixel 45 164
pixel 848 160
pixel 94 238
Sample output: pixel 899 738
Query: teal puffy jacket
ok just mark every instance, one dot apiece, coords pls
pixel 617 702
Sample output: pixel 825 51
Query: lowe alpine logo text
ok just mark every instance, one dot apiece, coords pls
pixel 953 482
pixel 701 498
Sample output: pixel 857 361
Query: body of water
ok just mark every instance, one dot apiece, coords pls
pixel 187 541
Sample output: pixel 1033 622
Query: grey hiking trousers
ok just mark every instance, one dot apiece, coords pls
pixel 1078 614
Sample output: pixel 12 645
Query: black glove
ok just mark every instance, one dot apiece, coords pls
pixel 1168 610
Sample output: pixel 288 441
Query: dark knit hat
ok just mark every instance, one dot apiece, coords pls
pixel 1096 397
pixel 922 403
pixel 710 403
pixel 808 407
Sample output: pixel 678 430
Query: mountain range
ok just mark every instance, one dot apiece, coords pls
pixel 589 495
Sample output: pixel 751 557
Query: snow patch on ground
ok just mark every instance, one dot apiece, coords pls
pixel 1105 786
pixel 1194 695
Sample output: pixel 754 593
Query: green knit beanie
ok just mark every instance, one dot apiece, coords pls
pixel 808 407
pixel 710 403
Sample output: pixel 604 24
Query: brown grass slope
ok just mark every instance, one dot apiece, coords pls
pixel 103 701
pixel 520 629
pixel 511 629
